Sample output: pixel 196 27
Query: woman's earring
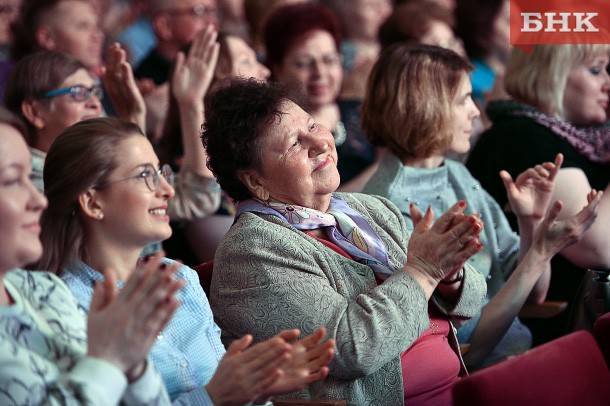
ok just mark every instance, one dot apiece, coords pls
pixel 100 216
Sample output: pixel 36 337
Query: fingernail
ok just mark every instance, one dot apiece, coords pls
pixel 462 203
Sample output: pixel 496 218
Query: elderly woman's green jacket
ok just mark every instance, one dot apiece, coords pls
pixel 268 276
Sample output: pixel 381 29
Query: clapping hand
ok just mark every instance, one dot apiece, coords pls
pixel 553 235
pixel 437 250
pixel 194 73
pixel 307 363
pixel 121 87
pixel 122 326
pixel 530 194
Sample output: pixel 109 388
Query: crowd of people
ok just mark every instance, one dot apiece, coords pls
pixel 350 190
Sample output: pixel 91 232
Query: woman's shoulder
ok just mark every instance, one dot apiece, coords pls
pixel 34 282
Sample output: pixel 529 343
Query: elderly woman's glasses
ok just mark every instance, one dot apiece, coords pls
pixel 78 93
pixel 149 175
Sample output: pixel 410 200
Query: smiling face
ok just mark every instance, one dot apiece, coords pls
pixel 313 67
pixel 463 113
pixel 243 60
pixel 298 161
pixel 132 214
pixel 21 204
pixel 74 29
pixel 585 99
pixel 62 111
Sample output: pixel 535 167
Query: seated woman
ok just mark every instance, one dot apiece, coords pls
pixel 103 214
pixel 180 145
pixel 299 254
pixel 49 354
pixel 415 171
pixel 559 100
pixel 302 42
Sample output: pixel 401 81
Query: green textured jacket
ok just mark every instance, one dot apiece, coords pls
pixel 268 276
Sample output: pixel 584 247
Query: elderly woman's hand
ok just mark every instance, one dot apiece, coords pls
pixel 554 235
pixel 437 251
pixel 530 194
pixel 121 327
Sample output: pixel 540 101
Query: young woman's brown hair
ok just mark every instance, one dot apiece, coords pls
pixel 80 158
pixel 408 99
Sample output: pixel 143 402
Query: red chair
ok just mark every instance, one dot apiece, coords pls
pixel 567 371
pixel 601 331
pixel 205 275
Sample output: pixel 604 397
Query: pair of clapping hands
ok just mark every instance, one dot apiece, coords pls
pixel 438 249
pixel 123 326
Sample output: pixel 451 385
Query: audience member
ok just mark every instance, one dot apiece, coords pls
pixel 103 214
pixel 175 23
pixel 49 353
pixel 314 257
pixel 559 96
pixel 360 21
pixel 302 42
pixel 181 147
pixel 9 10
pixel 68 26
pixel 51 91
pixel 420 22
pixel 415 171
pixel 484 26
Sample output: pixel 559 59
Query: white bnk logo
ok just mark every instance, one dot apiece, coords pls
pixel 534 22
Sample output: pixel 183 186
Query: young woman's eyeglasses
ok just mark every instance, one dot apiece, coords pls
pixel 149 175
pixel 78 93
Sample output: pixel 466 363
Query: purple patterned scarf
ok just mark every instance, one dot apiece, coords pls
pixel 343 226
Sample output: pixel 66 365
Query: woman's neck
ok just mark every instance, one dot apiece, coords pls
pixel 431 162
pixel 108 255
pixel 327 115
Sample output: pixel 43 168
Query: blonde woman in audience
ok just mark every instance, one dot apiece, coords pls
pixel 49 354
pixel 415 171
pixel 108 199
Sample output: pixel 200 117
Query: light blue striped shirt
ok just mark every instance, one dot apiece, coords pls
pixel 188 350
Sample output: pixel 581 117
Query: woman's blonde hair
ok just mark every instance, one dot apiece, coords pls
pixel 407 106
pixel 539 77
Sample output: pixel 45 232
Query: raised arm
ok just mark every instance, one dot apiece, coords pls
pixel 593 249
pixel 121 87
pixel 550 237
pixel 190 82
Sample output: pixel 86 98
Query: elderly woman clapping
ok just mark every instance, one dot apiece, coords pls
pixel 301 255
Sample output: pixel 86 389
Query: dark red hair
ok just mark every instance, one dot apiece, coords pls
pixel 289 24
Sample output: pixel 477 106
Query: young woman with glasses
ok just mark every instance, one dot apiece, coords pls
pixel 107 200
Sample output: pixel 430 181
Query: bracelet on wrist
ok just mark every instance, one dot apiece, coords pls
pixel 458 278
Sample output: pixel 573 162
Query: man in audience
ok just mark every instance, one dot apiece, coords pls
pixel 175 23
pixel 68 26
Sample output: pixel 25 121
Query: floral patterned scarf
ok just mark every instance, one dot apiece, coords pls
pixel 343 226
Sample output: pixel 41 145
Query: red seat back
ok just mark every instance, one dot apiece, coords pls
pixel 564 372
pixel 204 271
pixel 601 331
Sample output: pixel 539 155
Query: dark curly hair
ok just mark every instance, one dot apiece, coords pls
pixel 236 117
